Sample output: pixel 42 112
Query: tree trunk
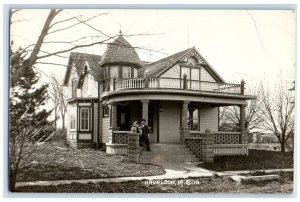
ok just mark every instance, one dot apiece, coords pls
pixel 12 181
pixel 282 144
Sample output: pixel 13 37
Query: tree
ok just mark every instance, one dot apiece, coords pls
pixel 278 113
pixel 59 98
pixel 27 119
pixel 33 53
pixel 230 116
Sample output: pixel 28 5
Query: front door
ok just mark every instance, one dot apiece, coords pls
pixel 124 118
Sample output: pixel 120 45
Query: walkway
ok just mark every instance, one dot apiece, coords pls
pixel 173 171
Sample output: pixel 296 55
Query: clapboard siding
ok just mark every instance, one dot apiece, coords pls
pixel 209 118
pixel 205 76
pixel 105 129
pixel 169 122
pixel 173 72
pixel 95 122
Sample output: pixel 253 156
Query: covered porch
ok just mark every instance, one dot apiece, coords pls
pixel 176 122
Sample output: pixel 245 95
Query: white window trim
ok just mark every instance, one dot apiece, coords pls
pixel 73 111
pixel 80 117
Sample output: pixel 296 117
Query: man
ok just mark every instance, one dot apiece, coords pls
pixel 145 132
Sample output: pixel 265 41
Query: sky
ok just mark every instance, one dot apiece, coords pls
pixel 255 45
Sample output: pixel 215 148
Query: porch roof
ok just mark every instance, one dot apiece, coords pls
pixel 176 95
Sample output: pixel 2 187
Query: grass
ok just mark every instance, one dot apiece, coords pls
pixel 204 185
pixel 257 159
pixel 61 163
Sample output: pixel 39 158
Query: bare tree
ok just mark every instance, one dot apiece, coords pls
pixel 59 98
pixel 230 116
pixel 278 113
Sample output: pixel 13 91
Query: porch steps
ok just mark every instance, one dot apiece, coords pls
pixel 161 153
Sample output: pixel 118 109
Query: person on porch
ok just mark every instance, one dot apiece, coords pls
pixel 145 134
pixel 137 129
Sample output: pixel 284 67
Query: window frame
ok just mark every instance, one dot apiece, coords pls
pixel 129 73
pixel 110 72
pixel 105 111
pixel 73 112
pixel 88 118
pixel 192 119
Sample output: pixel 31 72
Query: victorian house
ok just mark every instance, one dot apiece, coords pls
pixel 179 96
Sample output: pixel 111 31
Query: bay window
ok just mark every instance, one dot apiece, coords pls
pixel 84 119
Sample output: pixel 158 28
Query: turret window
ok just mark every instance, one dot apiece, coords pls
pixel 114 72
pixel 126 72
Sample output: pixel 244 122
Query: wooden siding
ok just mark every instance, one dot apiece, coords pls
pixel 95 122
pixel 169 122
pixel 205 76
pixel 209 118
pixel 105 129
pixel 173 72
pixel 89 87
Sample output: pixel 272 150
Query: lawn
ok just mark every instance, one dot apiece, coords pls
pixel 61 163
pixel 257 159
pixel 203 185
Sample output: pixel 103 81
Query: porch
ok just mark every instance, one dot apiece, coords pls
pixel 176 123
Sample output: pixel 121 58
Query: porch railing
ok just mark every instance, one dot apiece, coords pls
pixel 221 137
pixel 173 83
pixel 224 143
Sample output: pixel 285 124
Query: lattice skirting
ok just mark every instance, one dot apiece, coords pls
pixel 225 138
pixel 195 146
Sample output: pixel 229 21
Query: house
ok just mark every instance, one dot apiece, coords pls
pixel 179 96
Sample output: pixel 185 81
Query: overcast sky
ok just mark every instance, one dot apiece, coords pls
pixel 252 45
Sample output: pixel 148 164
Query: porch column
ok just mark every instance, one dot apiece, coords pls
pixel 113 126
pixel 244 135
pixel 145 109
pixel 184 129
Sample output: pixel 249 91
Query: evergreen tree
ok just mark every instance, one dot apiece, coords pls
pixel 27 118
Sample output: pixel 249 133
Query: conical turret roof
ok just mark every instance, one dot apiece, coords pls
pixel 120 51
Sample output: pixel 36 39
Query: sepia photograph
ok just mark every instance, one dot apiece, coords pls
pixel 151 101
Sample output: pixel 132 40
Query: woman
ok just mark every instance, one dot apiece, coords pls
pixel 135 129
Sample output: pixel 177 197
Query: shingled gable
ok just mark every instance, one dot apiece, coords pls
pixel 159 67
pixel 120 51
pixel 79 60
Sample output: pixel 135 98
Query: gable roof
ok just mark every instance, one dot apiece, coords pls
pixel 79 59
pixel 159 67
pixel 120 51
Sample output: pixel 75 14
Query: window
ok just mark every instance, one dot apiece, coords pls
pixel 195 74
pixel 126 72
pixel 73 119
pixel 74 88
pixel 185 71
pixel 105 111
pixel 134 72
pixel 84 119
pixel 193 119
pixel 114 72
